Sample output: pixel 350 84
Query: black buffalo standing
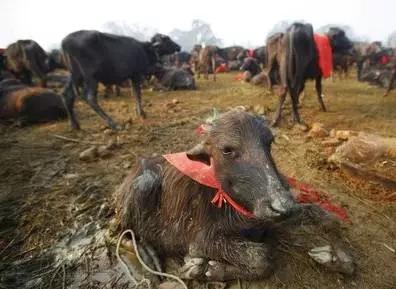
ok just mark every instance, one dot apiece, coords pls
pixel 93 57
pixel 293 58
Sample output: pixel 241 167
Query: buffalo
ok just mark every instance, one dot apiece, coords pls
pixel 93 57
pixel 26 58
pixel 293 57
pixel 29 104
pixel 178 216
pixel 206 62
pixel 172 78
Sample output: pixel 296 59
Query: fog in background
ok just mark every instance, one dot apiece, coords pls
pixel 223 23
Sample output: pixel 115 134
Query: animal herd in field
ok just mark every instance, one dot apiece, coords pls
pixel 286 61
pixel 220 204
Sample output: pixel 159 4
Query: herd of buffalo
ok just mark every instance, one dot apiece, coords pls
pixel 223 237
pixel 92 57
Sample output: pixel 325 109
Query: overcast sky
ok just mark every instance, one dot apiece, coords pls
pixel 48 21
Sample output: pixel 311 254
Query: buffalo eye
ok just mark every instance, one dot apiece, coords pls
pixel 229 152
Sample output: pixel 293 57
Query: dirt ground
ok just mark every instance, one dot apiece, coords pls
pixel 47 193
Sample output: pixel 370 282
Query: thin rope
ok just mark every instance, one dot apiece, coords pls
pixel 157 273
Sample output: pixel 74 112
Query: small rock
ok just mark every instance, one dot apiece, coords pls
pixel 89 154
pixel 103 151
pixel 302 127
pixel 111 144
pixel 343 134
pixel 175 101
pixel 318 131
pixel 332 133
pixel 127 165
pixel 108 131
pixel 328 151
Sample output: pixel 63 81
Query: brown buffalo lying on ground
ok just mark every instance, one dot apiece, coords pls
pixel 29 104
pixel 171 211
pixel 26 58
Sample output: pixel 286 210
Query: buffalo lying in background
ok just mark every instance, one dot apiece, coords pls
pixel 94 57
pixel 293 58
pixel 172 78
pixel 26 58
pixel 29 104
pixel 173 214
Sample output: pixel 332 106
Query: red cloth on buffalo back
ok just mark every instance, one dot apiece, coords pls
pixel 325 54
pixel 221 68
pixel 384 59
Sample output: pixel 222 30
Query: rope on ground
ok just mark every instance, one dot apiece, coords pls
pixel 157 273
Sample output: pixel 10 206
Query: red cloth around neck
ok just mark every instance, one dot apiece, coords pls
pixel 205 175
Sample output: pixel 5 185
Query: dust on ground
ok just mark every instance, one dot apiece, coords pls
pixel 46 192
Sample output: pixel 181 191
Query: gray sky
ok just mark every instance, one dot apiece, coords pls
pixel 48 21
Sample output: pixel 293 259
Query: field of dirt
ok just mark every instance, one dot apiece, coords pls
pixel 47 194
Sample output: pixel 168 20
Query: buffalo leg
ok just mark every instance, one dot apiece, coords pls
pixel 294 100
pixel 118 90
pixel 282 98
pixel 392 80
pixel 230 259
pixel 136 91
pixel 68 97
pixel 91 98
pixel 318 86
pixel 213 63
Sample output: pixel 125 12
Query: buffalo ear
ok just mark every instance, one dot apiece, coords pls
pixel 199 153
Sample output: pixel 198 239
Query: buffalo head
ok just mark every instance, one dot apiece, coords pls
pixel 340 43
pixel 163 44
pixel 238 145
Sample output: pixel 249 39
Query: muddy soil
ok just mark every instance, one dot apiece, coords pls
pixel 50 200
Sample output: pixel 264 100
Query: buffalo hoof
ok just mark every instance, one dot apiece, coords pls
pixel 75 126
pixel 216 271
pixel 335 259
pixel 193 268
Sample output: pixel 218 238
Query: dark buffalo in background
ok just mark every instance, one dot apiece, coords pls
pixel 29 104
pixel 378 67
pixel 94 57
pixel 230 53
pixel 173 214
pixel 251 65
pixel 26 58
pixel 293 58
pixel 173 78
